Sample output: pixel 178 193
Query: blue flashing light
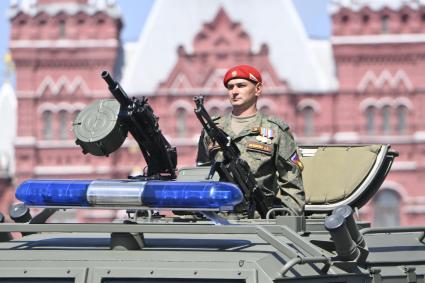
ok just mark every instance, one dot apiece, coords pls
pixel 155 194
pixel 53 192
pixel 207 194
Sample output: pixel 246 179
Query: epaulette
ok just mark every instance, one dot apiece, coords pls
pixel 282 125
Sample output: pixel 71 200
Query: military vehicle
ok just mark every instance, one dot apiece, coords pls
pixel 202 240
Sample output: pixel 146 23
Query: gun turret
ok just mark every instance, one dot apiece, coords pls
pixel 102 127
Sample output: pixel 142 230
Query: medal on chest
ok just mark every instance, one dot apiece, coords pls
pixel 265 135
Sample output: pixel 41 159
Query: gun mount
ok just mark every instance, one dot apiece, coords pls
pixel 102 127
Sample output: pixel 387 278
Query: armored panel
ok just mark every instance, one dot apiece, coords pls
pixel 336 175
pixel 98 128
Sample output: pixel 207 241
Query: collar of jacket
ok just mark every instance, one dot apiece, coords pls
pixel 245 131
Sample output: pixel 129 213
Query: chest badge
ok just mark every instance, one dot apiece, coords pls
pixel 263 148
pixel 265 135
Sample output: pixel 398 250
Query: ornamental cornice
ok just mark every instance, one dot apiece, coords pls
pixel 62 63
pixel 380 58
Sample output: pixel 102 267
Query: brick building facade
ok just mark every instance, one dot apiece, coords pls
pixel 374 93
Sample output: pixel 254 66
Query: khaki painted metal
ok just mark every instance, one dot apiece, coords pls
pixel 182 249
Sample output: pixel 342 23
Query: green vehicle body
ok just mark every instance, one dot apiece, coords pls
pixel 181 248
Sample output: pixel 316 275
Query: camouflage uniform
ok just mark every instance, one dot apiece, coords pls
pixel 271 161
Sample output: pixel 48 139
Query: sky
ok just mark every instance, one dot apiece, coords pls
pixel 314 14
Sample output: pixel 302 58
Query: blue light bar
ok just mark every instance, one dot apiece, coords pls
pixel 206 194
pixel 130 193
pixel 53 192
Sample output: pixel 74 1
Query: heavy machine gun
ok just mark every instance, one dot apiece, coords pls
pixel 102 127
pixel 233 168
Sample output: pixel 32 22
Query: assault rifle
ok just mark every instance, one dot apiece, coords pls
pixel 233 168
pixel 138 117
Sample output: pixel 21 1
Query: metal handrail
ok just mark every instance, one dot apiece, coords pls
pixel 265 232
pixel 381 230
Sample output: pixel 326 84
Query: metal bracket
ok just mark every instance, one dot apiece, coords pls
pixel 410 273
pixel 376 275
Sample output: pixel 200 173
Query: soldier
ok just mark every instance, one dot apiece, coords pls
pixel 265 142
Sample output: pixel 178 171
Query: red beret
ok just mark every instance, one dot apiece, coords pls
pixel 242 72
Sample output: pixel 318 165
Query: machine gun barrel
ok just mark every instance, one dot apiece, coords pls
pixel 141 122
pixel 233 168
pixel 116 89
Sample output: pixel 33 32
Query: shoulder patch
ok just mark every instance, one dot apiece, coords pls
pixel 279 122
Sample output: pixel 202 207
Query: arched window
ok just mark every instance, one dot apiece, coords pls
pixel 308 116
pixel 385 20
pixel 386 119
pixel 181 122
pixel 401 119
pixel 62 30
pixel 47 125
pixel 370 120
pixel 63 125
pixel 214 111
pixel 75 114
pixel 386 208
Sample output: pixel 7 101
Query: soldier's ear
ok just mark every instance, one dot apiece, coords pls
pixel 258 89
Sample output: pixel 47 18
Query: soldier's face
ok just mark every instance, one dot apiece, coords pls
pixel 243 93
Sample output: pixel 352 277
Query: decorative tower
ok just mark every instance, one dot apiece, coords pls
pixel 60 48
pixel 8 128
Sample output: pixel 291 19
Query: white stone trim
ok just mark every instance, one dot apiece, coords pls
pixel 374 5
pixel 62 82
pixel 64 43
pixel 70 170
pixel 180 80
pixel 55 108
pixel 414 209
pixel 25 141
pixel 385 101
pixel 403 101
pixel 343 137
pixel 419 136
pixel 404 166
pixel 69 143
pixel 93 93
pixel 185 141
pixel 368 102
pixel 391 139
pixel 322 139
pixel 379 103
pixel 216 77
pixel 308 102
pixel 378 81
pixel 378 39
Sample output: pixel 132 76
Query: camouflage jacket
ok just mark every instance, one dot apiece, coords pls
pixel 270 150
